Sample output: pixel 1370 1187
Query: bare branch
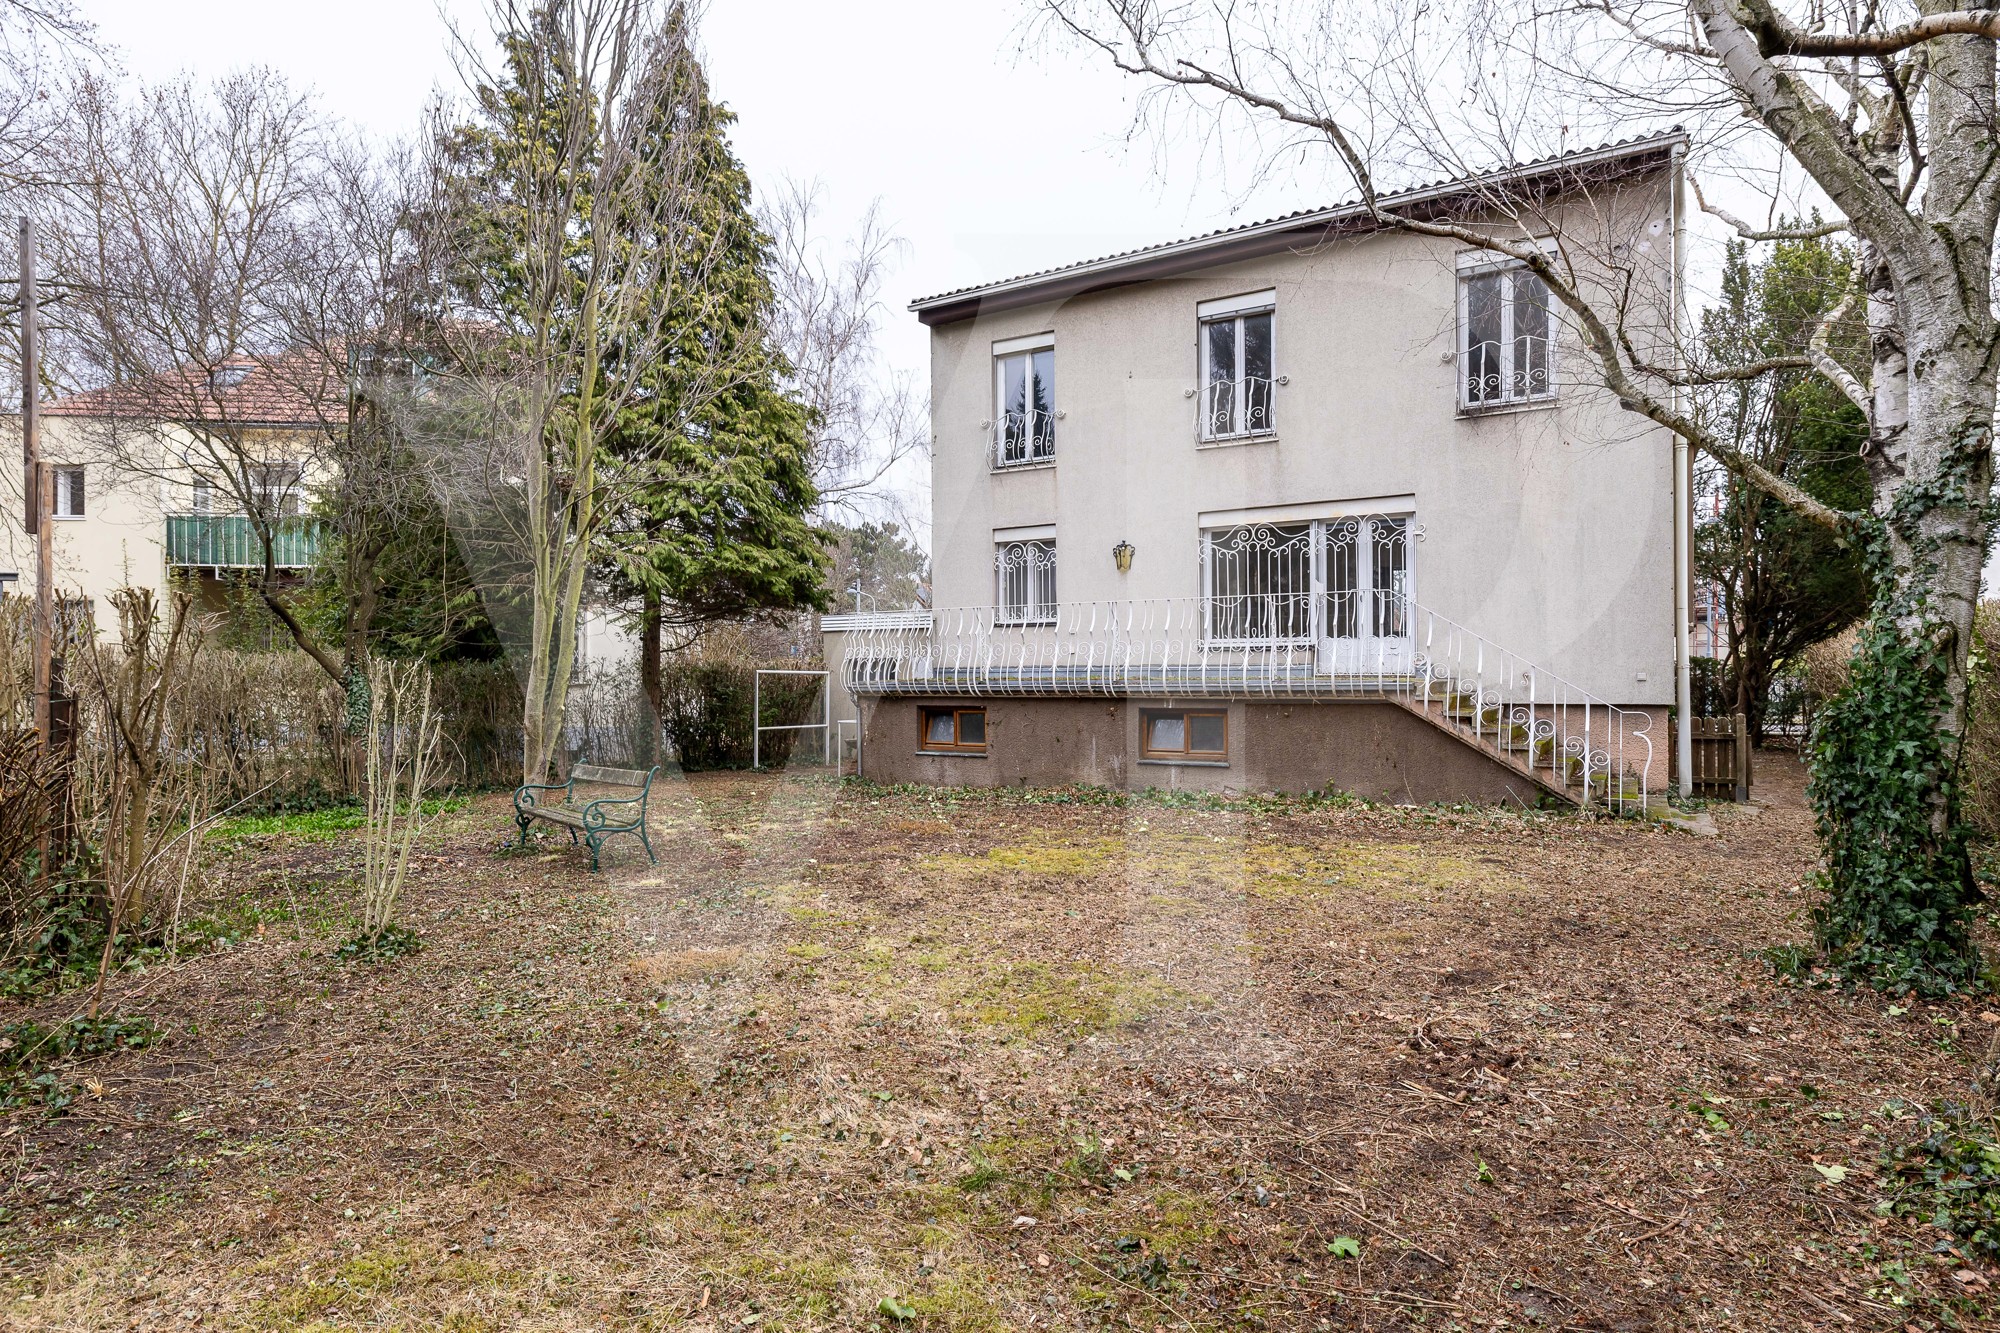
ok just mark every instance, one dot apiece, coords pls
pixel 1777 36
pixel 1752 233
pixel 1823 360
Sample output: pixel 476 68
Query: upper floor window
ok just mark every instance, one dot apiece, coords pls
pixel 277 488
pixel 1025 580
pixel 69 492
pixel 1236 374
pixel 1024 415
pixel 1506 336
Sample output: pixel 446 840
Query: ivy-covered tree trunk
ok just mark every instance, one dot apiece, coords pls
pixel 1900 896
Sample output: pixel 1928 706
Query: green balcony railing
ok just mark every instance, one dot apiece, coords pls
pixel 228 541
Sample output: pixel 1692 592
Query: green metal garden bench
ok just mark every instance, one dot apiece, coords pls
pixel 595 817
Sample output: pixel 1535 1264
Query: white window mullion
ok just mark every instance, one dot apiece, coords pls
pixel 1317 536
pixel 1235 376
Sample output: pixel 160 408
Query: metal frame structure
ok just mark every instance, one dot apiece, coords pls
pixel 824 726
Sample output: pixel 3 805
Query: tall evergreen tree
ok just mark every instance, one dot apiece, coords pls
pixel 609 395
pixel 721 527
pixel 1786 582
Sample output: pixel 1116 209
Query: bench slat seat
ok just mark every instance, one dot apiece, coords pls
pixel 597 816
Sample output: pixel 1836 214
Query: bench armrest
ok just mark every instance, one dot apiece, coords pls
pixel 527 789
pixel 593 810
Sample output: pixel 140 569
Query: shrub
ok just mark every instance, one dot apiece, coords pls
pixel 706 705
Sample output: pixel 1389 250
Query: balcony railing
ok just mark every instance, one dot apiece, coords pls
pixel 230 541
pixel 1292 645
pixel 1024 438
pixel 1236 409
pixel 1498 374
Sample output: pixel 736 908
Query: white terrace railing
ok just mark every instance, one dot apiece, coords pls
pixel 1292 645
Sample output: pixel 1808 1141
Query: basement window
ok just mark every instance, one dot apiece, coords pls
pixel 1200 736
pixel 952 730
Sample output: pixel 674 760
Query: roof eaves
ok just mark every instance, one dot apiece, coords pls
pixel 1067 279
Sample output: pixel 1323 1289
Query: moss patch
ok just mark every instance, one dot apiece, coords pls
pixel 1025 997
pixel 1032 858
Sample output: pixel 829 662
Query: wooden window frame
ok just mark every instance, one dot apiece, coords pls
pixel 924 742
pixel 1187 716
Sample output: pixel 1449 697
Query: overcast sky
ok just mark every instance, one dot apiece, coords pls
pixel 988 159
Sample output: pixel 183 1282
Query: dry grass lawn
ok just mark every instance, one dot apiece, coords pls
pixel 851 1057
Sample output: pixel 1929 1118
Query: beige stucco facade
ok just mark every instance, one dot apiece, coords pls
pixel 132 483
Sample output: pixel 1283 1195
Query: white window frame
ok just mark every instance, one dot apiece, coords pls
pixel 257 479
pixel 1227 310
pixel 1317 522
pixel 77 490
pixel 1485 263
pixel 1031 456
pixel 1033 553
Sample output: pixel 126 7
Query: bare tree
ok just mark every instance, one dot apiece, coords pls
pixel 236 270
pixel 1887 111
pixel 827 321
pixel 572 251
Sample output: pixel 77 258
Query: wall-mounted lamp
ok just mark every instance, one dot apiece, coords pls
pixel 1122 554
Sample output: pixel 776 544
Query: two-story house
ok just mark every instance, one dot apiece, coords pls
pixel 154 479
pixel 1311 503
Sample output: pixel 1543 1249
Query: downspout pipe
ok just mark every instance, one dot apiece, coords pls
pixel 1683 513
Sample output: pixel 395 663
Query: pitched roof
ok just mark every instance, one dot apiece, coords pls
pixel 299 389
pixel 1308 226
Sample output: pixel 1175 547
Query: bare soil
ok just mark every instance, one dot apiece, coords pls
pixel 850 1057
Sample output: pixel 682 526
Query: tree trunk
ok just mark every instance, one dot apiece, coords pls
pixel 649 671
pixel 1901 897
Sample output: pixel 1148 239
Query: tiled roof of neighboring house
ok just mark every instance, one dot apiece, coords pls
pixel 1605 161
pixel 297 390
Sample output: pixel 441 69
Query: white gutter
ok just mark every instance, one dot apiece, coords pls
pixel 1683 520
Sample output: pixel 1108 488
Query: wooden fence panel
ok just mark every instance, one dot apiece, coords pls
pixel 1721 757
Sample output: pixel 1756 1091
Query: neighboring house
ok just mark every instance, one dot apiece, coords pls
pixel 1301 504
pixel 141 500
pixel 155 481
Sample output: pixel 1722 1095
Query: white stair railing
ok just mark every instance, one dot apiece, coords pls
pixel 1292 645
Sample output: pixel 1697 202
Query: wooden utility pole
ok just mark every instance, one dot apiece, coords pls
pixel 35 498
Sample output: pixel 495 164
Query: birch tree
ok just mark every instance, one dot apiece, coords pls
pixel 1886 113
pixel 827 320
pixel 574 229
